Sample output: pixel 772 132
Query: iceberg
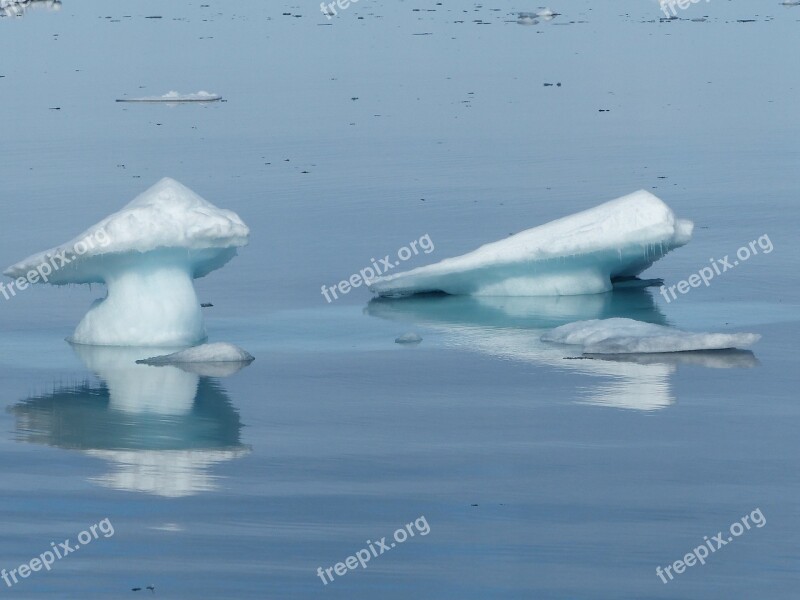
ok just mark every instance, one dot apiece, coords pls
pixel 628 336
pixel 147 255
pixel 579 254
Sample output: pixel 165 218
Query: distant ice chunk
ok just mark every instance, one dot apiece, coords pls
pixel 409 338
pixel 219 352
pixel 200 96
pixel 627 336
pixel 574 255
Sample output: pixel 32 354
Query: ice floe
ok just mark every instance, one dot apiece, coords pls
pixel 628 336
pixel 219 352
pixel 173 96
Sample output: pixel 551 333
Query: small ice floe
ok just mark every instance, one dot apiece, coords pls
pixel 409 338
pixel 790 3
pixel 527 18
pixel 219 359
pixel 579 254
pixel 628 336
pixel 200 96
pixel 216 352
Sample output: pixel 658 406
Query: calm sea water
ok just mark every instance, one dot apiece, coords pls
pixel 341 141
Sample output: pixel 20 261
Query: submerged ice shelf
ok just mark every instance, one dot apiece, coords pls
pixel 147 255
pixel 628 336
pixel 578 254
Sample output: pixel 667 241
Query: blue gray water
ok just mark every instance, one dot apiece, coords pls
pixel 341 141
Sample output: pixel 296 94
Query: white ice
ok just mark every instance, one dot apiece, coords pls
pixel 628 336
pixel 578 254
pixel 206 353
pixel 147 254
pixel 173 96
pixel 409 338
pixel 16 8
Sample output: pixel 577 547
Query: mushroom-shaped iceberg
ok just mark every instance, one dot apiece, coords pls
pixel 147 255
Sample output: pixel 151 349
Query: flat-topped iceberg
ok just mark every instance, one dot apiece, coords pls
pixel 628 336
pixel 578 254
pixel 147 255
pixel 201 96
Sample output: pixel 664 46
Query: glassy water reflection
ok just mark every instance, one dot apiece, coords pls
pixel 510 328
pixel 161 429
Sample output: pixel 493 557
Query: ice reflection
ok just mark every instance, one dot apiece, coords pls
pixel 510 328
pixel 162 429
